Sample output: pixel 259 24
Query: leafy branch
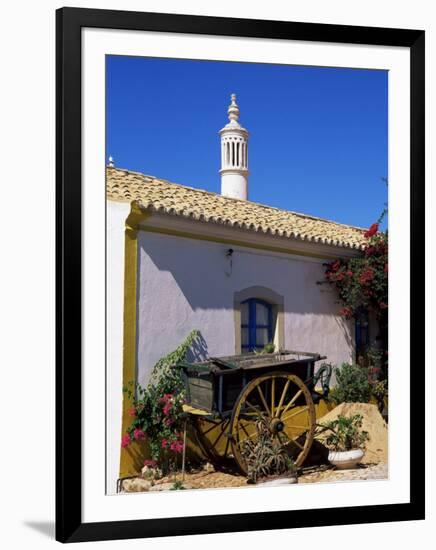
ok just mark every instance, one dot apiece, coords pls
pixel 157 410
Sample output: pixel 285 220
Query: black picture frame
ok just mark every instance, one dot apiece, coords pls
pixel 69 22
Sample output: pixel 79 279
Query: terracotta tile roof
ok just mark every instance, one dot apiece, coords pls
pixel 171 198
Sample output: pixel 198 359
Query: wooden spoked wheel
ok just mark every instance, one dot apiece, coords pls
pixel 282 402
pixel 213 438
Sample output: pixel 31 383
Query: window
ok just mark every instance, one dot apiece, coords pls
pixel 256 324
pixel 259 319
pixel 362 333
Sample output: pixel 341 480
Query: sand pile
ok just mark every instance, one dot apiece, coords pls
pixel 373 423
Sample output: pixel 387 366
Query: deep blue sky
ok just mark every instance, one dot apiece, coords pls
pixel 318 136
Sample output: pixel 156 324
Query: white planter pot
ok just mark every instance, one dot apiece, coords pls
pixel 346 459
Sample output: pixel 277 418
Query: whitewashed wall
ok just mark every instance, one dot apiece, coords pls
pixel 187 284
pixel 116 216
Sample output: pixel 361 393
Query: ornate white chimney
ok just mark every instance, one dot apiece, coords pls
pixel 234 156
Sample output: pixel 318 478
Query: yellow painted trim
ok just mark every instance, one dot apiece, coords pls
pixel 195 236
pixel 192 410
pixel 131 459
pixel 323 407
pixel 238 334
pixel 279 339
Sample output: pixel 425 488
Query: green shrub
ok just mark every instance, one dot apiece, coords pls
pixel 380 391
pixel 352 385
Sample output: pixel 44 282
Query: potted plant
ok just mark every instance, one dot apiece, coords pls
pixel 267 459
pixel 346 441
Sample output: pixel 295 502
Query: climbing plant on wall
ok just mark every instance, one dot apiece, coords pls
pixel 361 284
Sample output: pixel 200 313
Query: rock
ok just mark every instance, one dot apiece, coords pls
pixel 150 473
pixel 168 486
pixel 136 485
pixel 208 467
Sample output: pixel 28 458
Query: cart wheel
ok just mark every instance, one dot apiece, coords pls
pixel 213 438
pixel 284 403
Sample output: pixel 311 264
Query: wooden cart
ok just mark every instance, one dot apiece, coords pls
pixel 227 396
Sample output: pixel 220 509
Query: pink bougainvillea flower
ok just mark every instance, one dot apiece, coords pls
pixel 346 312
pixel 132 412
pixel 176 446
pixel 164 443
pixel 167 408
pixel 138 434
pixel 366 276
pixel 125 440
pixel 166 398
pixel 150 463
pixel 167 401
pixel 383 305
pixel 168 421
pixel 335 265
pixel 371 231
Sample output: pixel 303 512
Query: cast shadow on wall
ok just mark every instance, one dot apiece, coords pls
pixel 198 350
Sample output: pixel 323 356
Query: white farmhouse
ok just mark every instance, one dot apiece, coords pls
pixel 242 273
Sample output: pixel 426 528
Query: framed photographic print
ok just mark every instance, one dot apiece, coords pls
pixel 240 235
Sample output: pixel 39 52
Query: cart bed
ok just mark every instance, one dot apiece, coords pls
pixel 214 385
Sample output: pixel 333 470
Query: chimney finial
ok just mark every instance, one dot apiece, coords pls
pixel 233 110
pixel 111 162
